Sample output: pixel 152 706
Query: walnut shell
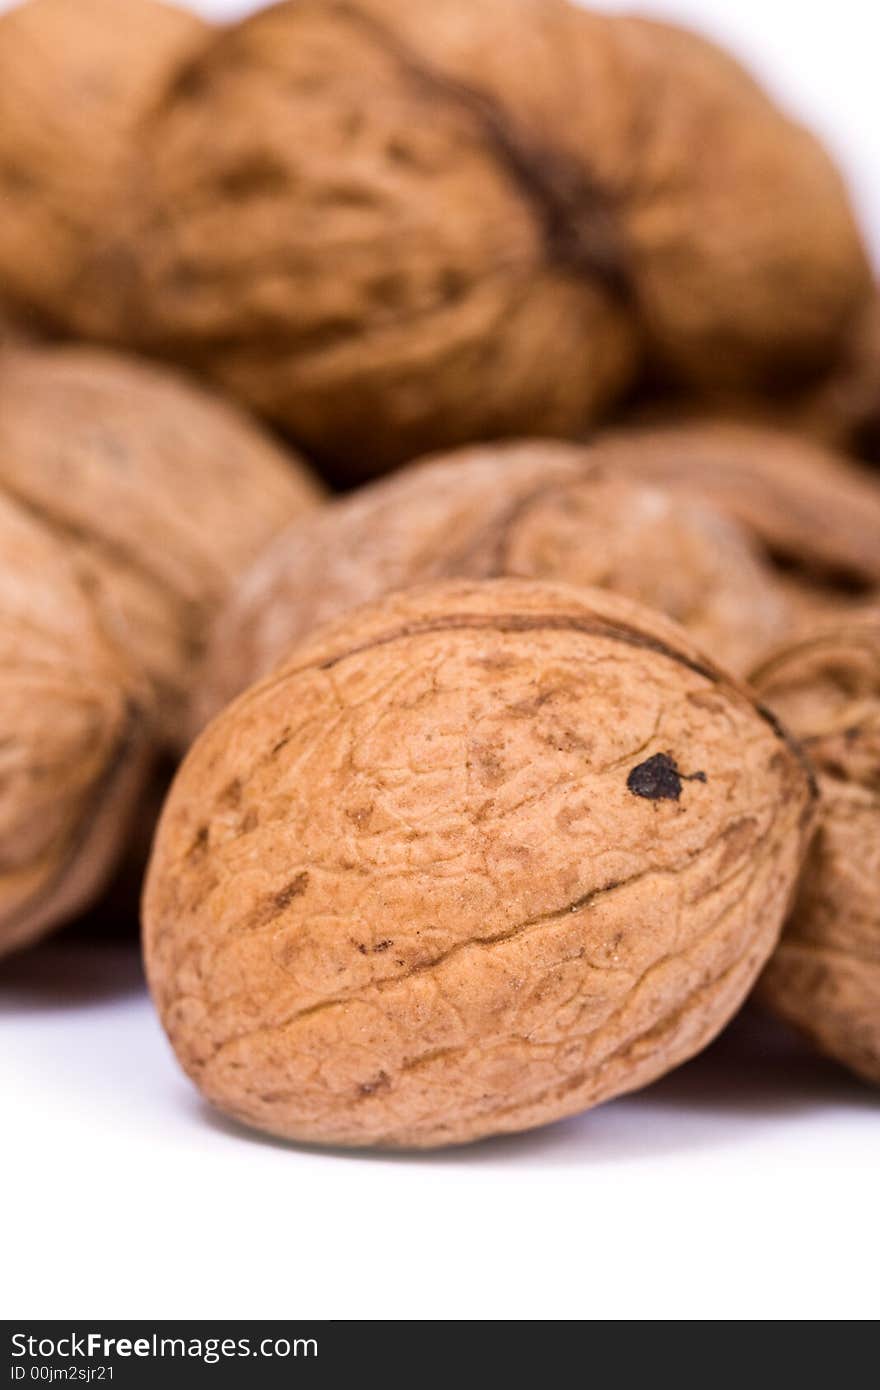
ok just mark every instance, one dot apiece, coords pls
pixel 395 228
pixel 76 78
pixel 746 256
pixel 813 513
pixel 476 857
pixel 845 408
pixel 162 492
pixel 825 975
pixel 11 330
pixel 75 732
pixel 536 510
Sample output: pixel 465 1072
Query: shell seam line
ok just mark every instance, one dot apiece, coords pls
pixel 552 182
pixel 611 630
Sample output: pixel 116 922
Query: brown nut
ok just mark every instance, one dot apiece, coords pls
pixel 476 857
pixel 742 281
pixel 366 239
pixel 536 510
pixel 161 491
pixel 825 975
pixel 73 754
pixel 815 515
pixel 76 78
pixel 844 409
pixel 395 228
pixel 12 330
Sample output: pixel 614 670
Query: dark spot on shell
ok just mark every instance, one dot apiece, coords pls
pixel 200 842
pixel 659 778
pixel 189 84
pixel 379 1083
pixel 231 794
pixel 294 889
pixel 267 908
pixel 254 177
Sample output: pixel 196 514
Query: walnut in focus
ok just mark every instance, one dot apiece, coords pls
pixel 475 858
pixel 535 509
pixel 825 975
pixel 75 732
pixel 162 493
pixel 76 79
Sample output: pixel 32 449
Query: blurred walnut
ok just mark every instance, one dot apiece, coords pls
pixel 9 330
pixel 394 228
pixel 747 261
pixel 825 975
pixel 161 492
pixel 74 736
pixel 845 407
pixel 475 858
pixel 534 509
pixel 815 516
pixel 76 78
pixel 115 914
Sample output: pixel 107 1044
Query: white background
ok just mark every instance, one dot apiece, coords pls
pixel 743 1186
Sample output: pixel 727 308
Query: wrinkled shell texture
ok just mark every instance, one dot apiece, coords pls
pixel 825 975
pixel 396 228
pixel 76 77
pixel 72 756
pixel 813 513
pixel 162 492
pixel 535 510
pixel 477 857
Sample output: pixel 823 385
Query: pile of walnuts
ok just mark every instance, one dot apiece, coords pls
pixel 512 773
pixel 130 500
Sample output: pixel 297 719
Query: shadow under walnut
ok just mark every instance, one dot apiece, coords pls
pixel 476 857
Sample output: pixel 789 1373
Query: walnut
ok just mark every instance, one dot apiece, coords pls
pixel 10 331
pixel 476 857
pixel 161 492
pixel 815 515
pixel 76 77
pixel 75 734
pixel 394 228
pixel 838 410
pixel 742 283
pixel 844 408
pixel 536 510
pixel 825 974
